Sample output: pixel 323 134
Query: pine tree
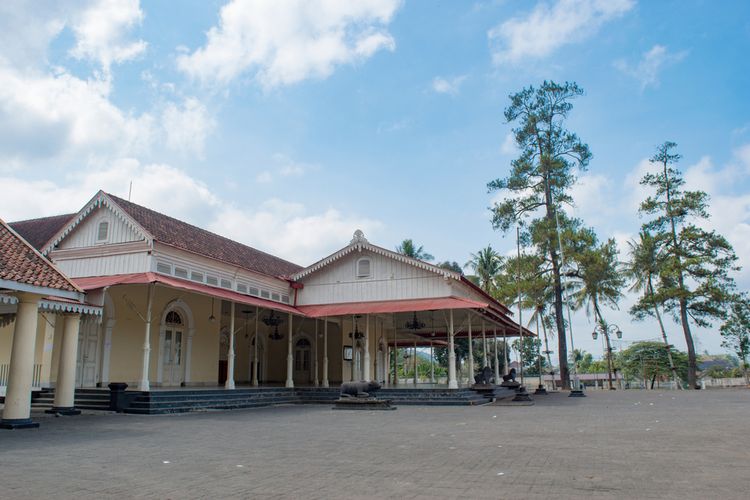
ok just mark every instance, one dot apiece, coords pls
pixel 694 279
pixel 541 178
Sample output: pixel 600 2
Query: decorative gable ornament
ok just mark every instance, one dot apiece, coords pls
pixel 359 237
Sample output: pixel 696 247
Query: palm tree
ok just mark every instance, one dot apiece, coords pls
pixel 486 265
pixel 410 249
pixel 600 282
pixel 644 265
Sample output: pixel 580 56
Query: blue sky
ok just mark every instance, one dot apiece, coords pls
pixel 288 125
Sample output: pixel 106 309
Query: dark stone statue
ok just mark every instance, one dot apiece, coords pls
pixel 361 389
pixel 484 377
pixel 511 376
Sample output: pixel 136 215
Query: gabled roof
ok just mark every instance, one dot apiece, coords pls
pixel 359 243
pixel 155 226
pixel 39 231
pixel 23 268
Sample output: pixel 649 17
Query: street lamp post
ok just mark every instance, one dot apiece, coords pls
pixel 606 330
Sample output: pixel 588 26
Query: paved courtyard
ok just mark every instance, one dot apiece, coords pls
pixel 630 444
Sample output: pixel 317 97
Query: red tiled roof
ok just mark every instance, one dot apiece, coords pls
pixel 40 231
pixel 19 262
pixel 177 233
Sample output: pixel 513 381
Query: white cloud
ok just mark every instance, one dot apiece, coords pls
pixel 646 71
pixel 283 228
pixel 101 32
pixel 187 126
pixel 450 85
pixel 264 177
pixel 509 147
pixel 592 195
pixel 288 230
pixel 550 26
pixel 45 115
pixel 282 43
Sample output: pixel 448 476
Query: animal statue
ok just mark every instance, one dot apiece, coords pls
pixel 484 377
pixel 360 389
pixel 511 376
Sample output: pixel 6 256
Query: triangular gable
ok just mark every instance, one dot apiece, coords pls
pixel 101 199
pixel 360 243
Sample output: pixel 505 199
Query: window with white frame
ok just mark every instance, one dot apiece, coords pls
pixel 102 232
pixel 364 267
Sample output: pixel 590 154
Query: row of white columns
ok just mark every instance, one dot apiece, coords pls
pixel 17 410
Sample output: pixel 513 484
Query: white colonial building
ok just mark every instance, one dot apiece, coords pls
pixel 168 304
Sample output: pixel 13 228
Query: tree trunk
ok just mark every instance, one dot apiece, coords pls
pixel 603 324
pixel 692 362
pixel 672 367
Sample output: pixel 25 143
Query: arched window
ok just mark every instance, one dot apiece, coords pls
pixel 103 231
pixel 364 268
pixel 303 343
pixel 302 355
pixel 173 318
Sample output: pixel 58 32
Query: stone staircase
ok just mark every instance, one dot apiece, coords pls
pixel 433 397
pixel 160 402
pixel 85 399
pixel 187 400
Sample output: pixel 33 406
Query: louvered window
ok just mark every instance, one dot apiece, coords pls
pixel 363 268
pixel 265 294
pixel 163 268
pixel 212 280
pixel 180 272
pixel 254 291
pixel 103 231
pixel 241 288
pixel 196 276
pixel 226 284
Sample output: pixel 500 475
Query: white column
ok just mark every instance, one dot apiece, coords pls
pixel 107 350
pixel 497 363
pixel 416 373
pixel 432 364
pixel 17 411
pixel 325 352
pixel 471 354
pixel 506 369
pixel 229 384
pixel 188 356
pixel 315 358
pixel 66 369
pixel 48 339
pixel 289 356
pixel 366 370
pixel 255 349
pixel 144 384
pixel 484 346
pixel 452 382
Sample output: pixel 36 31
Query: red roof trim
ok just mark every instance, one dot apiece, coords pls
pixel 95 282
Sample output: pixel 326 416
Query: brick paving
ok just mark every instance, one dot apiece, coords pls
pixel 630 444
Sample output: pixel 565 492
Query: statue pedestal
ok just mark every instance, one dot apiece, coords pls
pixel 522 395
pixel 363 404
pixel 511 384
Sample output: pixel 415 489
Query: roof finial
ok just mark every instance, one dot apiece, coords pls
pixel 359 237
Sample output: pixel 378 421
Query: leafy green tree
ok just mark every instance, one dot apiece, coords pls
pixel 541 178
pixel 648 361
pixel 736 331
pixel 410 249
pixel 531 354
pixel 451 266
pixel 694 279
pixel 486 265
pixel 643 269
pixel 600 283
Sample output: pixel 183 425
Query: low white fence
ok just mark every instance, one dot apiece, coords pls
pixel 723 382
pixel 36 381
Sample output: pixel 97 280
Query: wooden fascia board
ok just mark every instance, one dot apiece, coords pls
pixel 101 250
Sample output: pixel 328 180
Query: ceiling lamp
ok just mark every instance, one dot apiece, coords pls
pixel 356 334
pixel 414 324
pixel 274 321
